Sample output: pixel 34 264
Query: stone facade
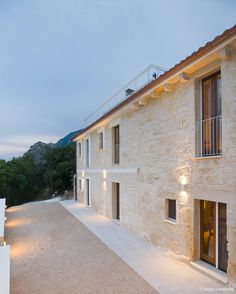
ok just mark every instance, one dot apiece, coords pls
pixel 157 147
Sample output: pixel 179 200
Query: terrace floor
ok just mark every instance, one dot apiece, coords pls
pixel 64 247
pixel 53 252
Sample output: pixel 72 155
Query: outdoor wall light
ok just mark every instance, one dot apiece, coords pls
pixel 82 173
pixel 183 180
pixel 104 174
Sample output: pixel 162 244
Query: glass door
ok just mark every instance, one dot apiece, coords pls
pixel 208 231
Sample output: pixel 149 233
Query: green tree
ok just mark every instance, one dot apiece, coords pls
pixel 25 179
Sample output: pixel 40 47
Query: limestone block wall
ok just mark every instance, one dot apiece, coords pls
pixel 159 140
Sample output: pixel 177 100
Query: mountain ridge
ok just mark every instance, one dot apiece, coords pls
pixel 38 150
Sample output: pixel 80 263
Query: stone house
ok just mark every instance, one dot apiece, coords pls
pixel 162 163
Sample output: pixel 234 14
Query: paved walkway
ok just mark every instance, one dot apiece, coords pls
pixel 52 252
pixel 164 273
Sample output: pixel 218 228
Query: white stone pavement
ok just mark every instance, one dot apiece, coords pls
pixel 166 274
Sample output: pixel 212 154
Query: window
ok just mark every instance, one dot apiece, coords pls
pixel 87 153
pixel 209 117
pixel 116 201
pixel 101 140
pixel 116 145
pixel 80 185
pixel 88 192
pixel 171 209
pixel 79 149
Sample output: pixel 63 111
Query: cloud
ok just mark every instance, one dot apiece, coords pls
pixel 18 145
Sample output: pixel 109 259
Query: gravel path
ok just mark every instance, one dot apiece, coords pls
pixel 52 252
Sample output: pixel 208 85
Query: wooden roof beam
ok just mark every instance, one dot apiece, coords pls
pixel 168 87
pixel 184 77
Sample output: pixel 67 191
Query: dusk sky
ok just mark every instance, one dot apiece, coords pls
pixel 60 59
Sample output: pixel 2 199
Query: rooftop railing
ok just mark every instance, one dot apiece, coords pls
pixel 146 76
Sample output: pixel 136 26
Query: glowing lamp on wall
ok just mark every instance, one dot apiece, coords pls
pixel 183 180
pixel 104 174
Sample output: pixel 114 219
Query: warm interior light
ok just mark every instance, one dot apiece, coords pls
pixel 5 218
pixel 4 243
pixel 183 180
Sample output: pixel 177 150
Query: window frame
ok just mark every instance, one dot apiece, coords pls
pixel 87 152
pixel 212 128
pixel 101 140
pixel 168 218
pixel 80 149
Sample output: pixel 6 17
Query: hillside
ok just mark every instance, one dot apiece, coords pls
pixel 44 170
pixel 38 150
pixel 67 139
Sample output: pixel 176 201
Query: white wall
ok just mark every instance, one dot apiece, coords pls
pixel 2 217
pixel 4 254
pixel 5 269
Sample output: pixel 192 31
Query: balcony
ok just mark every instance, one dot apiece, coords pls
pixel 208 135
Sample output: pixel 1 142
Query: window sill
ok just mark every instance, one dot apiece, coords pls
pixel 170 221
pixel 207 157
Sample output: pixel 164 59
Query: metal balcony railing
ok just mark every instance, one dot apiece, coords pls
pixel 146 76
pixel 208 134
